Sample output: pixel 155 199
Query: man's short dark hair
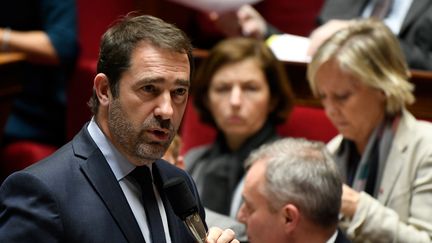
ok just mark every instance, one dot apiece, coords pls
pixel 122 38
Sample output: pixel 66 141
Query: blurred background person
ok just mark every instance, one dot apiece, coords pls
pixel 292 193
pixel 384 153
pixel 296 17
pixel 247 21
pixel 46 33
pixel 172 154
pixel 410 20
pixel 241 90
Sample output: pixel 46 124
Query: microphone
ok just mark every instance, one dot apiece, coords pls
pixel 185 207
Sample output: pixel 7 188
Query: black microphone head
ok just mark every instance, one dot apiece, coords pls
pixel 180 197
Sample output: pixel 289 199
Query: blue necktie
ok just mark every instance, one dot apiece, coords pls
pixel 143 175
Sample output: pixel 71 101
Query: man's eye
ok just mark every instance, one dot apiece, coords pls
pixel 179 95
pixel 180 92
pixel 149 88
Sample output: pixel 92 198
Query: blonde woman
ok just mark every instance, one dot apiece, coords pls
pixel 384 153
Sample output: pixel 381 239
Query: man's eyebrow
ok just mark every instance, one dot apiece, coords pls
pixel 151 80
pixel 160 80
pixel 183 82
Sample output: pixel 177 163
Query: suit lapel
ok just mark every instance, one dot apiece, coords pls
pixel 396 158
pixel 99 174
pixel 417 7
pixel 391 172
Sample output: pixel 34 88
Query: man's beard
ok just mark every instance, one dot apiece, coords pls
pixel 134 140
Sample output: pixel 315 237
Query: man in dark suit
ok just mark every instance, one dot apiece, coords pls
pixel 410 20
pixel 87 191
pixel 413 30
pixel 292 193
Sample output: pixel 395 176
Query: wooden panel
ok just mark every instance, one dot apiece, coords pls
pixel 422 108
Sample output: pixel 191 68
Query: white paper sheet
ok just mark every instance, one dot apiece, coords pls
pixel 287 47
pixel 219 6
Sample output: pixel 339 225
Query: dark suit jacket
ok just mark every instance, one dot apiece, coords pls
pixel 73 196
pixel 415 35
pixel 341 238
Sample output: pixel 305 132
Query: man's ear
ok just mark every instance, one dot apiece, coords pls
pixel 102 89
pixel 292 217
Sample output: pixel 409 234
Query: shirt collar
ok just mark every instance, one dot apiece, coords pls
pixel 333 238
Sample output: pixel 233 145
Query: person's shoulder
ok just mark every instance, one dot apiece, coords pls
pixel 168 170
pixel 22 179
pixel 414 134
pixel 424 126
pixel 421 136
pixel 196 154
pixel 420 129
pixel 54 172
pixel 55 167
pixel 198 151
pixel 41 179
pixel 60 154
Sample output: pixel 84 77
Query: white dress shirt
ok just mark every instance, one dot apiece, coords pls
pixel 396 16
pixel 121 168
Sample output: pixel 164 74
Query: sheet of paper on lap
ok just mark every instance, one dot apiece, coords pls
pixel 287 47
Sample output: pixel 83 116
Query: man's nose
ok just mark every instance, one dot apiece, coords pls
pixel 164 107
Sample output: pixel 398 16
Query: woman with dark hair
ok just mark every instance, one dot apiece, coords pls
pixel 241 89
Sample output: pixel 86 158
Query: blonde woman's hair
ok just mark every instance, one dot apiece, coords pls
pixel 369 51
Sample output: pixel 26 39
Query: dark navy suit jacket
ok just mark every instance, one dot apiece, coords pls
pixel 73 196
